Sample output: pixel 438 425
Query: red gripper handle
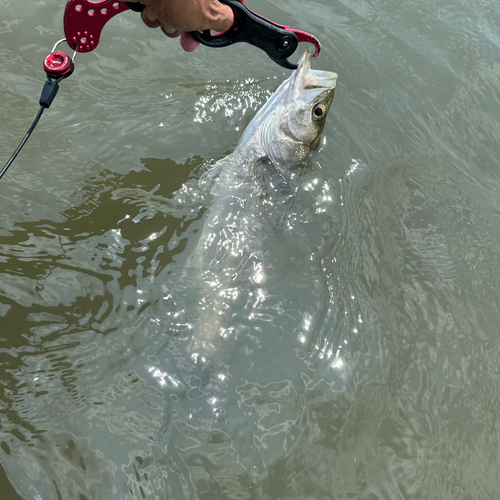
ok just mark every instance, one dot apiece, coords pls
pixel 84 21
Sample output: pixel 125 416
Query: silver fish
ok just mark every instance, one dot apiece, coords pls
pixel 250 288
pixel 253 191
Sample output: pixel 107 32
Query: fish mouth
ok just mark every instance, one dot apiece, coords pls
pixel 313 85
pixel 307 79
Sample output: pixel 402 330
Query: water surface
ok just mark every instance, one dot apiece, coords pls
pixel 375 372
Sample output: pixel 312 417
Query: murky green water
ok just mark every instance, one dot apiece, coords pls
pixel 374 374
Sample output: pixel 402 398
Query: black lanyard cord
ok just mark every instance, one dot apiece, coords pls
pixel 49 92
pixel 23 142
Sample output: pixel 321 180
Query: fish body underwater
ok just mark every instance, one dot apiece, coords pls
pixel 247 276
pixel 254 190
pixel 206 412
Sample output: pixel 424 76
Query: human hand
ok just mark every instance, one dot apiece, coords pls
pixel 179 17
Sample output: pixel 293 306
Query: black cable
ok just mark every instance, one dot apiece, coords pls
pixel 49 93
pixel 23 142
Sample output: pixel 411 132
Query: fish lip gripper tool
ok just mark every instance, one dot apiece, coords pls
pixel 84 21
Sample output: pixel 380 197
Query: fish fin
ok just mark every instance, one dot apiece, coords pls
pixel 208 180
pixel 276 188
pixel 271 181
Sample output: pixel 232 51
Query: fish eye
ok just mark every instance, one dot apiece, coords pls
pixel 319 112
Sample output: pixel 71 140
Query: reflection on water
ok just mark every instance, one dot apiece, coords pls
pixel 374 374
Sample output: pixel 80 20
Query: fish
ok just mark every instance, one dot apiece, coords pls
pixel 249 289
pixel 253 191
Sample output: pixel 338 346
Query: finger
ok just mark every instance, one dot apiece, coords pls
pixel 223 19
pixel 188 43
pixel 170 32
pixel 149 19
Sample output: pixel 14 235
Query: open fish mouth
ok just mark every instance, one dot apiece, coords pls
pixel 313 78
pixel 309 84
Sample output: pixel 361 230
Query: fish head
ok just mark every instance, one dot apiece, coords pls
pixel 297 114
